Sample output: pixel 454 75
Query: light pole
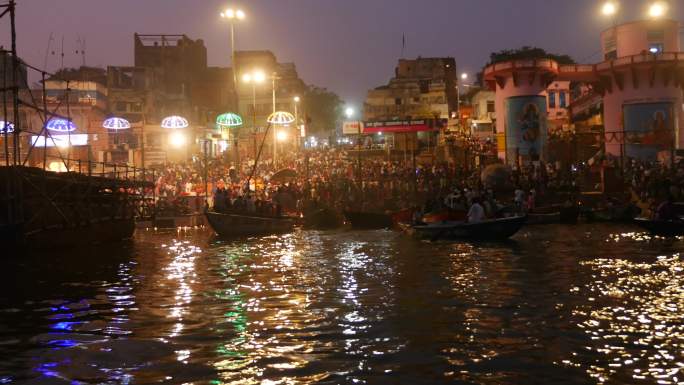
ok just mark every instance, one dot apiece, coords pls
pixel 296 100
pixel 232 15
pixel 274 76
pixel 253 78
pixel 349 112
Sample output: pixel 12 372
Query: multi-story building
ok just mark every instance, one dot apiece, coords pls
pixel 422 89
pixel 484 114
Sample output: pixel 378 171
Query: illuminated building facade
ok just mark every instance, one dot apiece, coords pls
pixel 639 83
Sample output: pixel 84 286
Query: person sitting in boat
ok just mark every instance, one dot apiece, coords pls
pixel 666 211
pixel 476 212
pixel 220 195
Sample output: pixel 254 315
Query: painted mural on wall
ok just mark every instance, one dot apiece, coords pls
pixel 526 128
pixel 649 129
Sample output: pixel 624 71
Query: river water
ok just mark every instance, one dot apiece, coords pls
pixel 584 304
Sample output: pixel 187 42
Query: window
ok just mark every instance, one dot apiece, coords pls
pixel 397 101
pixel 424 86
pixel 136 107
pixel 655 34
pixel 612 55
pixel 552 99
pixel 655 48
pixel 490 106
pixel 563 102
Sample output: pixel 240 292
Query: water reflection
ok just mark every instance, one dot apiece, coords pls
pixel 633 319
pixel 560 304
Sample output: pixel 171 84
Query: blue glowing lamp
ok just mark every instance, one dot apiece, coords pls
pixel 116 124
pixel 229 119
pixel 60 125
pixel 175 121
pixel 6 127
pixel 281 118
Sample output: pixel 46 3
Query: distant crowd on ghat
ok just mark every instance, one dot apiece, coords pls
pixel 330 177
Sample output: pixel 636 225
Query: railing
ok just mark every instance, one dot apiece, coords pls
pixel 110 170
pixel 577 68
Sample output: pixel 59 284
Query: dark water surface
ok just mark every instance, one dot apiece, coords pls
pixel 559 304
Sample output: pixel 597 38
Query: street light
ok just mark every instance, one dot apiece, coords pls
pixel 282 136
pixel 256 76
pixel 231 15
pixel 177 139
pixel 609 8
pixel 349 112
pixel 657 9
pixel 464 77
pixel 296 103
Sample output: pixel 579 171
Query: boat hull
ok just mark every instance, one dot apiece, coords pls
pixel 496 229
pixel 661 228
pixel 236 225
pixel 322 219
pixel 368 221
pixel 103 231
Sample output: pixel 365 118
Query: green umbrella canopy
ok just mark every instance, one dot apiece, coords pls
pixel 229 119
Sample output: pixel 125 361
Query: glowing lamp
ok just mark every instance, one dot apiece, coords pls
pixel 609 8
pixel 281 136
pixel 657 9
pixel 6 127
pixel 349 112
pixel 60 125
pixel 229 119
pixel 177 139
pixel 281 118
pixel 174 121
pixel 116 124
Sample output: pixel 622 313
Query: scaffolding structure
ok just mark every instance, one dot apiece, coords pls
pixel 91 201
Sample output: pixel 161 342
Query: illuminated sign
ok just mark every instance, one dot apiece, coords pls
pixel 60 140
pixel 404 125
pixel 352 127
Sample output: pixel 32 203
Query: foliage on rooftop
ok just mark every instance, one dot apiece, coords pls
pixel 528 53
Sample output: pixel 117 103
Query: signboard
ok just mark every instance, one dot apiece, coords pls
pixel 352 127
pixel 526 129
pixel 60 140
pixel 649 129
pixel 404 125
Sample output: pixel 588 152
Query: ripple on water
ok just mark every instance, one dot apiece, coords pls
pixel 559 304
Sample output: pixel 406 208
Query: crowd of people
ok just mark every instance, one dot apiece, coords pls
pixel 336 178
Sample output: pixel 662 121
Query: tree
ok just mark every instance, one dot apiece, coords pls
pixel 322 109
pixel 528 53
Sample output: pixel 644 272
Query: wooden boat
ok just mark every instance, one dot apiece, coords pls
pixel 238 225
pixel 495 229
pixel 368 220
pixel 553 214
pixel 543 218
pixel 662 228
pixel 322 219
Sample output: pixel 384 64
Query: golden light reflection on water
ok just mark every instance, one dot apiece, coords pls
pixel 633 319
pixel 181 271
pixel 267 311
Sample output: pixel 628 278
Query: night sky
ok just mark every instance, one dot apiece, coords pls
pixel 347 46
